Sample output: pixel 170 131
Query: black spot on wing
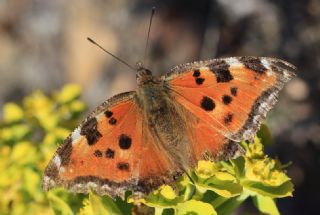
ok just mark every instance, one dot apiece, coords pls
pixel 124 141
pixel 123 166
pixel 234 91
pixel 90 131
pixel 221 70
pixel 207 103
pixel 199 81
pixel 97 153
pixel 108 114
pixel 254 64
pixel 196 73
pixel 226 99
pixel 109 153
pixel 112 121
pixel 228 118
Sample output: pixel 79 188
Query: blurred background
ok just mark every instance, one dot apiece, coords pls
pixel 43 46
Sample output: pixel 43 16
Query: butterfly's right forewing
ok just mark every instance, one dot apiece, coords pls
pixel 225 100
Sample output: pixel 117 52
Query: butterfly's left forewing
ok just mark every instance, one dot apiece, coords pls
pixel 110 152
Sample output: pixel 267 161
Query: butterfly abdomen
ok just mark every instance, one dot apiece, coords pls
pixel 162 117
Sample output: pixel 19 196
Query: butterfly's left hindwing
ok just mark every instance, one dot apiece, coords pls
pixel 110 152
pixel 232 95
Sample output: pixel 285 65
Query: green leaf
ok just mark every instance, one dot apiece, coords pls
pixel 87 208
pixel 186 187
pixel 164 197
pixel 219 200
pixel 264 135
pixel 213 176
pixel 281 191
pixel 59 206
pixel 223 188
pixel 266 205
pixel 194 207
pixel 227 166
pixel 123 204
pixel 103 205
pixel 228 206
pixel 238 165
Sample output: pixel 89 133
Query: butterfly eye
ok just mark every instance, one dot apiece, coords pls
pixel 148 72
pixel 143 72
pixel 143 75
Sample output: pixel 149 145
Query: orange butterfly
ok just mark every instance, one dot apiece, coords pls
pixel 142 139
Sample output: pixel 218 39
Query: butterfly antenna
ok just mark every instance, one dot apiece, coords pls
pixel 149 28
pixel 117 58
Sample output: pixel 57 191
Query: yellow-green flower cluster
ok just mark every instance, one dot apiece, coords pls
pixel 220 187
pixel 264 175
pixel 29 135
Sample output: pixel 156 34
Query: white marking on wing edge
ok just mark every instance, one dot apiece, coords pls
pixel 46 179
pixel 266 64
pixel 248 134
pixel 263 107
pixel 79 185
pixel 106 187
pixel 91 184
pixel 256 119
pixel 76 134
pixel 48 182
pixel 286 75
pixel 98 116
pixel 232 61
pixel 57 160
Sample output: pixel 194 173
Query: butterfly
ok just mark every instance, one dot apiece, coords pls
pixel 142 139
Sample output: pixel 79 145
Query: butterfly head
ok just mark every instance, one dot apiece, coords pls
pixel 143 75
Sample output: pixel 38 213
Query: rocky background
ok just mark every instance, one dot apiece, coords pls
pixel 43 46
